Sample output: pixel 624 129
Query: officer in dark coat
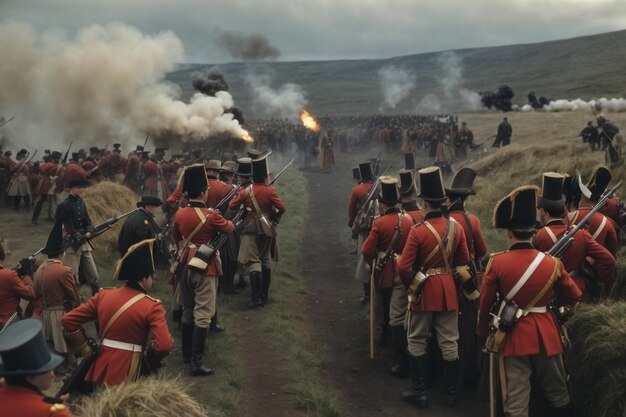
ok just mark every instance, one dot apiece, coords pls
pixel 140 225
pixel 503 137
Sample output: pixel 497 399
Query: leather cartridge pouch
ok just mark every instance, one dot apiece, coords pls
pixel 78 343
pixel 466 282
pixel 200 262
pixel 415 289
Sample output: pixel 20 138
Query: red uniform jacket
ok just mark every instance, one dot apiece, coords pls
pixel 73 172
pixel 217 190
pixel 47 171
pixel 607 237
pixel 412 210
pixel 188 218
pixel 154 177
pixel 583 246
pixel 22 167
pixel 12 289
pixel 611 209
pixel 503 272
pixel 379 239
pixel 26 402
pixel 439 290
pixel 55 285
pixel 357 198
pixel 266 196
pixel 145 317
pixel 480 247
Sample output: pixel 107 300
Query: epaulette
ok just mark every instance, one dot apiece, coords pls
pixel 156 300
pixel 57 407
pixel 491 256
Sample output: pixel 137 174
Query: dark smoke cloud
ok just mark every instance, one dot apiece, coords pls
pixel 537 103
pixel 501 100
pixel 210 83
pixel 252 47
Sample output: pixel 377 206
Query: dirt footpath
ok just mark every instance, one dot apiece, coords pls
pixel 365 386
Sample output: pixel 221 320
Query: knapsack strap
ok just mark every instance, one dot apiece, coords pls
pixel 119 312
pixel 450 230
pixel 525 277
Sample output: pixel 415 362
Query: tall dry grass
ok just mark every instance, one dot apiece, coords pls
pixel 104 201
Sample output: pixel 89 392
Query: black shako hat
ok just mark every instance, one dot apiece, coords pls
pixel 389 193
pixel 56 155
pixel 137 263
pixel 552 191
pixel 600 178
pixel 54 245
pixel 409 160
pixel 407 182
pixel 194 179
pixel 365 168
pixel 431 184
pixel 147 200
pixel 23 350
pixel 462 182
pixel 244 167
pixel 255 153
pixel 518 210
pixel 571 189
pixel 356 174
pixel 260 170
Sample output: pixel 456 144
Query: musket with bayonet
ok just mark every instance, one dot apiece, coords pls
pixel 364 210
pixel 281 172
pixel 77 239
pixel 3 122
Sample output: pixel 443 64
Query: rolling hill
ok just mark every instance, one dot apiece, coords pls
pixel 584 67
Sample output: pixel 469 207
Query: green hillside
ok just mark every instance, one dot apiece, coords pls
pixel 585 67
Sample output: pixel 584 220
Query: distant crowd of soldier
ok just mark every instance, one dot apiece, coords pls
pixel 444 300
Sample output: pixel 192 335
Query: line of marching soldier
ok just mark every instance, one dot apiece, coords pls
pixel 426 266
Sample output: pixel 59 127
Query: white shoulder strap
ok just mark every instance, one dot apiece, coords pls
pixel 531 268
pixel 550 233
pixel 600 229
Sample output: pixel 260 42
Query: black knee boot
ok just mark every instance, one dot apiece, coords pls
pixel 398 339
pixel 186 341
pixel 417 395
pixel 451 380
pixel 266 276
pixel 198 345
pixel 255 285
pixel 37 210
pixel 215 326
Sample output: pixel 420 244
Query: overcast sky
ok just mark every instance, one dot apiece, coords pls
pixel 334 29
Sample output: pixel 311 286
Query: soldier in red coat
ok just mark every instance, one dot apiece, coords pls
pixel 435 254
pixel 19 188
pixel 575 258
pixel 46 188
pixel 385 241
pixel 361 225
pixel 526 278
pixel 27 366
pixel 600 227
pixel 56 293
pixel 263 211
pixel 131 176
pixel 470 346
pixel 197 225
pixel 14 285
pixel 127 318
pixel 217 189
pixel 154 183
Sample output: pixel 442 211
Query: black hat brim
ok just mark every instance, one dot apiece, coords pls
pixel 460 191
pixel 53 363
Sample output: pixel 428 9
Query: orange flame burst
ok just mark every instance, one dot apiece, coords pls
pixel 309 121
pixel 246 136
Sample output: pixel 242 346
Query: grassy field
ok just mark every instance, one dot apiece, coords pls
pixel 580 67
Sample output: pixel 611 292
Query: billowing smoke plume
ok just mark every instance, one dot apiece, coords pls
pixel 396 84
pixel 452 73
pixel 106 85
pixel 252 47
pixel 601 104
pixel 210 83
pixel 285 101
pixel 501 100
pixel 430 103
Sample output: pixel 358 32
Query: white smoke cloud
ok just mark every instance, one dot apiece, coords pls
pixel 430 103
pixel 285 101
pixel 106 85
pixel 471 99
pixel 452 73
pixel 395 84
pixel 601 104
